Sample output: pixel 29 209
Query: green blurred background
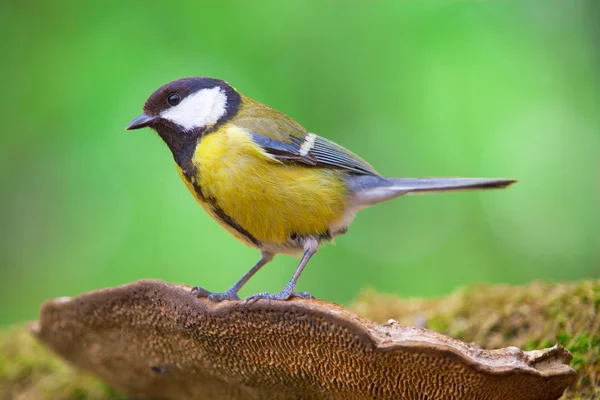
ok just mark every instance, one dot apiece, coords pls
pixel 423 88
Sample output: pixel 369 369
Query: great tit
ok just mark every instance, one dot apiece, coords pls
pixel 265 178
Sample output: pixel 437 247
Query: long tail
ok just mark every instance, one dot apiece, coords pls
pixel 368 189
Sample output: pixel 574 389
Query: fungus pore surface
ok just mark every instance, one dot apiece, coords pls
pixel 154 340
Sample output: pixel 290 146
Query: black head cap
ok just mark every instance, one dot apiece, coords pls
pixel 183 110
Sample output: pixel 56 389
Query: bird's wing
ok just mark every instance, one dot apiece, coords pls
pixel 314 150
pixel 288 141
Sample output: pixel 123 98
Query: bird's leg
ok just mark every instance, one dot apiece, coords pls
pixel 231 293
pixel 288 290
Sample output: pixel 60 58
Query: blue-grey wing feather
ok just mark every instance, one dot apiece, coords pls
pixel 281 150
pixel 323 153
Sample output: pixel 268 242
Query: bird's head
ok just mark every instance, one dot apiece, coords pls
pixel 182 110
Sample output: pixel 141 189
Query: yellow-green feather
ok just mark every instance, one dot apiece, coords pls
pixel 259 118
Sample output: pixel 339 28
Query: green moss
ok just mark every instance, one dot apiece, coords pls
pixel 29 371
pixel 438 323
pixel 534 316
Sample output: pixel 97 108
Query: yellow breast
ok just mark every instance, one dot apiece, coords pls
pixel 269 199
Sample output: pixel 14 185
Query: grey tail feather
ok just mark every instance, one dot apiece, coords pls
pixel 368 189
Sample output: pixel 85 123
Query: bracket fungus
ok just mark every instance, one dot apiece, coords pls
pixel 154 341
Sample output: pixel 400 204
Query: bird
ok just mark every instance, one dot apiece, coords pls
pixel 266 179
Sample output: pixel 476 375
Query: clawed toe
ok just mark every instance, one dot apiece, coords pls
pixel 302 295
pixel 281 296
pixel 259 296
pixel 200 292
pixel 216 297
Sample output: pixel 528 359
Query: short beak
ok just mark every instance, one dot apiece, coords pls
pixel 140 122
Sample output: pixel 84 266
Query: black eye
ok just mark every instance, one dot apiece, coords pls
pixel 174 99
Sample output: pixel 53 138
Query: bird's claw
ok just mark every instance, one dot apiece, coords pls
pixel 285 294
pixel 303 295
pixel 200 292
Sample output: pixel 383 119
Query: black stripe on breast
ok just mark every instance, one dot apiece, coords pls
pixel 191 174
pixel 230 222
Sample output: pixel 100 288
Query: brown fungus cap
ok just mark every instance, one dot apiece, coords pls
pixel 154 340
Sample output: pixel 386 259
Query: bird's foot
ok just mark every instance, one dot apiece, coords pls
pixel 200 292
pixel 286 294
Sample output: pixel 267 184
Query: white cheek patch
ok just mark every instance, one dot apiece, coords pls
pixel 198 110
